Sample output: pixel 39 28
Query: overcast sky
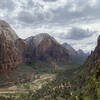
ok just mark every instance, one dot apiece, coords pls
pixel 76 22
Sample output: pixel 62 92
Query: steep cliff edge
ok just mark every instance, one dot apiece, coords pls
pixel 10 57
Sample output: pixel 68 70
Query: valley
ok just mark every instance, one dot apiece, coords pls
pixel 24 83
pixel 39 82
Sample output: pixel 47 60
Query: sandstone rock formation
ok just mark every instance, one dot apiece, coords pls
pixel 10 57
pixel 46 48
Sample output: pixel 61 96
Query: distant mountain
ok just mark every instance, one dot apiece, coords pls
pixel 77 56
pixel 70 49
pixel 46 48
pixel 81 52
pixel 82 55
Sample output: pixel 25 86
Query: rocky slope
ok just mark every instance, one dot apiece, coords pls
pixel 46 48
pixel 70 49
pixel 94 59
pixel 82 55
pixel 91 74
pixel 77 56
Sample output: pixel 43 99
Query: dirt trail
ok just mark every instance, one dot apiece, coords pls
pixel 34 85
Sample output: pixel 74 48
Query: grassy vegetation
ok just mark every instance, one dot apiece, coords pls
pixel 66 86
pixel 68 82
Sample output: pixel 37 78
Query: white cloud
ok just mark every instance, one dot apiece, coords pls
pixel 30 17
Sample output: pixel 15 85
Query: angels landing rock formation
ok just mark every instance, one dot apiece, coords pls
pixel 9 55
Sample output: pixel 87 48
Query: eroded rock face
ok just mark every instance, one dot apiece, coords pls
pixel 9 55
pixel 8 32
pixel 49 49
pixel 98 44
pixel 46 48
pixel 14 51
pixel 93 60
pixel 26 51
pixel 97 49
